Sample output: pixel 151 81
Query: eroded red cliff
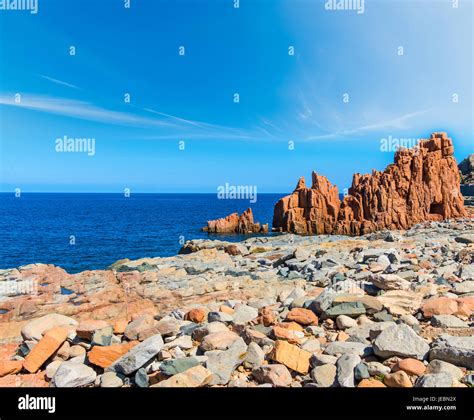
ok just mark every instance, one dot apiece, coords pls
pixel 422 184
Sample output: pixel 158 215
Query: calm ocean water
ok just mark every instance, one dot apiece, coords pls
pixel 107 227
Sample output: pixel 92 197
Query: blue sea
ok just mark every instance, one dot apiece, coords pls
pixel 37 227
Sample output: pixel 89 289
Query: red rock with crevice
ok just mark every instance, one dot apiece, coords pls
pixel 421 185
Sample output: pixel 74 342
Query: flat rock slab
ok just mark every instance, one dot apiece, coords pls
pixel 175 366
pixel 401 302
pixel 104 356
pixel 369 331
pixel 389 282
pixel 435 380
pixel 352 309
pixel 35 329
pixel 448 321
pixel 138 355
pixel 348 347
pixel 291 356
pixel 456 350
pixel 465 239
pixel 370 303
pixel 46 347
pixel 466 286
pixel 400 340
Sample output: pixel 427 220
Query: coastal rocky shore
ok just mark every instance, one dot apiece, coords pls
pixel 423 184
pixel 386 309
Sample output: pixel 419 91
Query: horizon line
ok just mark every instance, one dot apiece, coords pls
pixel 121 193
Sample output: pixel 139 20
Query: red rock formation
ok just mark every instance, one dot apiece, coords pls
pixel 422 184
pixel 236 224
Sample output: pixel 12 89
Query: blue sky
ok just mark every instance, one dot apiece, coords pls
pixel 190 98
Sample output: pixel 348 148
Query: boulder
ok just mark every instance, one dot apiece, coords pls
pixel 348 347
pixel 410 366
pixel 435 380
pixel 439 306
pixel 104 356
pixel 194 377
pixel 138 325
pixel 73 374
pixel 398 379
pixel 254 357
pixel 46 347
pixel 244 314
pixel 448 321
pixel 389 282
pixel 138 355
pixel 174 366
pixel 223 363
pixel 439 366
pixel 86 328
pixel 302 316
pixel 456 350
pixel 219 340
pixel 400 340
pixel 401 302
pixel 196 315
pixel 324 376
pixel 291 356
pixel 35 329
pixel 345 369
pixel 110 380
pixel 276 375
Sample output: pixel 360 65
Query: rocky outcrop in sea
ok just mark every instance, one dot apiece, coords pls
pixel 421 185
pixel 235 223
pixel 386 309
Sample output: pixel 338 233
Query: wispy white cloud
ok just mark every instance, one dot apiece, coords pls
pixel 175 126
pixel 398 123
pixel 59 82
pixel 197 124
pixel 306 112
pixel 271 124
pixel 171 126
pixel 79 109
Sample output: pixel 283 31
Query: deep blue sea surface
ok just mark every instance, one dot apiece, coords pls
pixel 37 228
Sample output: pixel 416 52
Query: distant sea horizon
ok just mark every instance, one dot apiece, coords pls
pixel 91 230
